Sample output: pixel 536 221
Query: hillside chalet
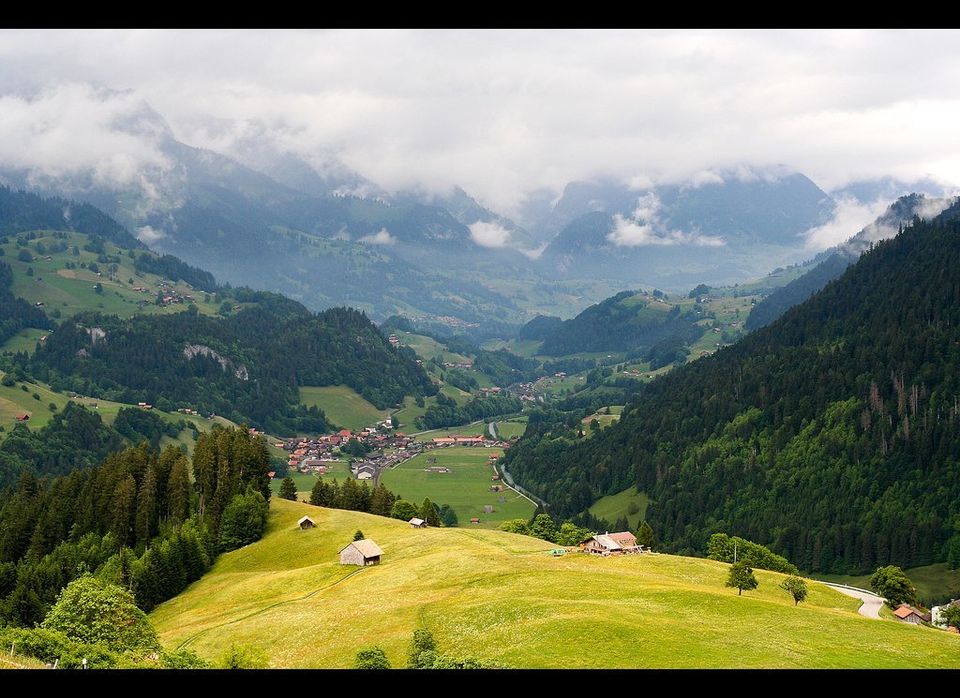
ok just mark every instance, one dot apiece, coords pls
pixel 611 544
pixel 362 553
pixel 908 614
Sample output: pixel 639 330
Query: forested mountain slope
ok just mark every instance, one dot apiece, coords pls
pixel 831 434
pixel 246 367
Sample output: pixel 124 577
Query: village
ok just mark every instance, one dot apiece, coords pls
pixel 384 448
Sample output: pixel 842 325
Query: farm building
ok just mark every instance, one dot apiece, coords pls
pixel 22 417
pixel 612 544
pixel 475 520
pixel 362 553
pixel 305 523
pixel 487 508
pixel 418 523
pixel 908 614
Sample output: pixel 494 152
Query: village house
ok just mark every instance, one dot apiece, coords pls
pixel 611 544
pixel 361 553
pixel 306 522
pixel 936 613
pixel 908 614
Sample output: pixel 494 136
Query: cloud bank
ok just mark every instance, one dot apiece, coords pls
pixel 501 113
pixel 645 227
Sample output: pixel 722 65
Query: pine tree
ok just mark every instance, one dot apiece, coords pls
pixel 178 492
pixel 123 506
pixel 146 522
pixel 288 489
pixel 645 535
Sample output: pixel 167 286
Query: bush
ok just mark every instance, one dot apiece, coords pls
pixel 92 611
pixel 244 520
pixel 53 645
pixel 372 658
pixel 243 657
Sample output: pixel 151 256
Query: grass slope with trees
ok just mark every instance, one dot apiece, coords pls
pixel 500 597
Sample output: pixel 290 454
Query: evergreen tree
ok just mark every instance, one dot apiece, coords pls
pixel 288 489
pixel 645 535
pixel 320 494
pixel 146 520
pixel 124 506
pixel 178 492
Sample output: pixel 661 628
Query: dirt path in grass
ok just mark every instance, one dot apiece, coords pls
pixel 871 602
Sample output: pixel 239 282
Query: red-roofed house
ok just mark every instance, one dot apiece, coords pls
pixel 908 614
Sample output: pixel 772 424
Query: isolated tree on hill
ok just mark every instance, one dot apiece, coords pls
pixel 358 535
pixel 891 583
pixel 288 489
pixel 741 577
pixel 645 535
pixel 372 658
pixel 796 587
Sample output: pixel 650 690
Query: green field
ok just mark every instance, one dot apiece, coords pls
pixel 604 419
pixel 303 481
pixel 343 406
pixel 514 427
pixel 933 582
pixel 466 487
pixel 613 506
pixel 499 596
pixel 24 340
pixel 428 348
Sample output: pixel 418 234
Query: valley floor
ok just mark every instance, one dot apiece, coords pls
pixel 502 597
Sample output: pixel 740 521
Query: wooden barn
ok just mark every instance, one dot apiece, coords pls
pixel 418 523
pixel 305 523
pixel 908 614
pixel 361 553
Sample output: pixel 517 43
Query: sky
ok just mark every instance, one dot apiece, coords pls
pixel 500 113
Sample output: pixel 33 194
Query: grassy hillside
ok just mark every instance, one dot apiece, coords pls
pixel 466 487
pixel 71 290
pixel 613 506
pixel 342 405
pixel 499 596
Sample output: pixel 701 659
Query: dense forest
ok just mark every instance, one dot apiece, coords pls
pixel 624 322
pixel 169 267
pixel 446 413
pixel 246 367
pixel 22 211
pixel 831 435
pixel 135 520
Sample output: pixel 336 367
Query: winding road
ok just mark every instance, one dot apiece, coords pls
pixel 870 607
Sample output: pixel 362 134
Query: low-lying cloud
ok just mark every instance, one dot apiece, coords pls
pixel 383 237
pixel 148 235
pixel 489 234
pixel 645 227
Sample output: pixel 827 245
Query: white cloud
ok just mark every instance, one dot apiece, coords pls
pixel 645 227
pixel 501 113
pixel 849 218
pixel 489 234
pixel 383 237
pixel 704 178
pixel 533 253
pixel 149 235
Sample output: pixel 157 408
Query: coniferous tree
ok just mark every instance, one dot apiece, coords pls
pixel 288 489
pixel 178 492
pixel 147 514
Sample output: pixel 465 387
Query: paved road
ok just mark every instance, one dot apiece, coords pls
pixel 871 602
pixel 492 428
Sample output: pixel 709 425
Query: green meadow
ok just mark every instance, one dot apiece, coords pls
pixel 613 506
pixel 466 487
pixel 500 596
pixel 342 406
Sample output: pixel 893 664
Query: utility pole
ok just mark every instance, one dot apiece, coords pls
pixel 734 551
